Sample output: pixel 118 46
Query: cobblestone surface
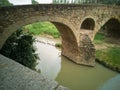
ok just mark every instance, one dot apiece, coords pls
pixel 14 76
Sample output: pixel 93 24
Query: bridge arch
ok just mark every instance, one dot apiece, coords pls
pixel 69 41
pixel 111 28
pixel 88 24
pixel 62 24
pixel 69 19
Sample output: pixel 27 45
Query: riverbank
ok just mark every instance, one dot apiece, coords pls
pixel 108 54
pixel 101 56
pixel 57 42
pixel 53 65
pixel 105 52
pixel 108 65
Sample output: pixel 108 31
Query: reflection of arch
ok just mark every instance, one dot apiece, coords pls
pixel 112 28
pixel 88 24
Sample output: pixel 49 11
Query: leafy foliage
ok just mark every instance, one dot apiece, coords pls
pixel 109 1
pixel 5 3
pixel 19 48
pixel 59 45
pixel 34 2
pixel 117 2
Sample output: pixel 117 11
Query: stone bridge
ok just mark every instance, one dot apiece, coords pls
pixel 77 25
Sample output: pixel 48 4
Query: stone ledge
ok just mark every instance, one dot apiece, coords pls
pixel 14 76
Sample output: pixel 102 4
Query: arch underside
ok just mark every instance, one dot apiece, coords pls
pixel 8 30
pixel 88 24
pixel 13 18
pixel 111 29
pixel 69 42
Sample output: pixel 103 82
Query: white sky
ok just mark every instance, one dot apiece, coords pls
pixel 21 2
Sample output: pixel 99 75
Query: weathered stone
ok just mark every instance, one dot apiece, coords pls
pixel 14 76
pixel 87 50
pixel 67 18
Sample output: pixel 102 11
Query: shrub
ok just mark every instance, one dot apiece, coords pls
pixel 58 45
pixel 19 47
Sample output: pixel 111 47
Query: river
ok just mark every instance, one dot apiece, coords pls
pixel 54 66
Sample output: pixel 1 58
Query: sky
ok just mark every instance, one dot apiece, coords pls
pixel 21 2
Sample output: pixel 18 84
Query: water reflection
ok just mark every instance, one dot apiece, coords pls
pixel 67 73
pixel 79 77
pixel 112 84
pixel 50 60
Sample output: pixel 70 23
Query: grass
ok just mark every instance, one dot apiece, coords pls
pixel 110 56
pixel 99 38
pixel 40 28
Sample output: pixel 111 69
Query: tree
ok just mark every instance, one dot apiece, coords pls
pixel 5 3
pixel 60 1
pixel 117 2
pixel 109 1
pixel 54 1
pixel 34 2
pixel 19 47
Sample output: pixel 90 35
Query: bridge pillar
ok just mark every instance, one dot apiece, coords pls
pixel 86 51
pixel 70 50
pixel 83 54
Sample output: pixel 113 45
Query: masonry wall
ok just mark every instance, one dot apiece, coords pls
pixel 68 20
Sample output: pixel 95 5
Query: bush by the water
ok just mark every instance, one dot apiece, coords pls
pixel 58 45
pixel 19 47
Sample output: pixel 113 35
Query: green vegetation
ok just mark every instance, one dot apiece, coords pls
pixel 117 2
pixel 110 56
pixel 99 38
pixel 5 3
pixel 58 45
pixel 34 2
pixel 44 28
pixel 41 28
pixel 19 47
